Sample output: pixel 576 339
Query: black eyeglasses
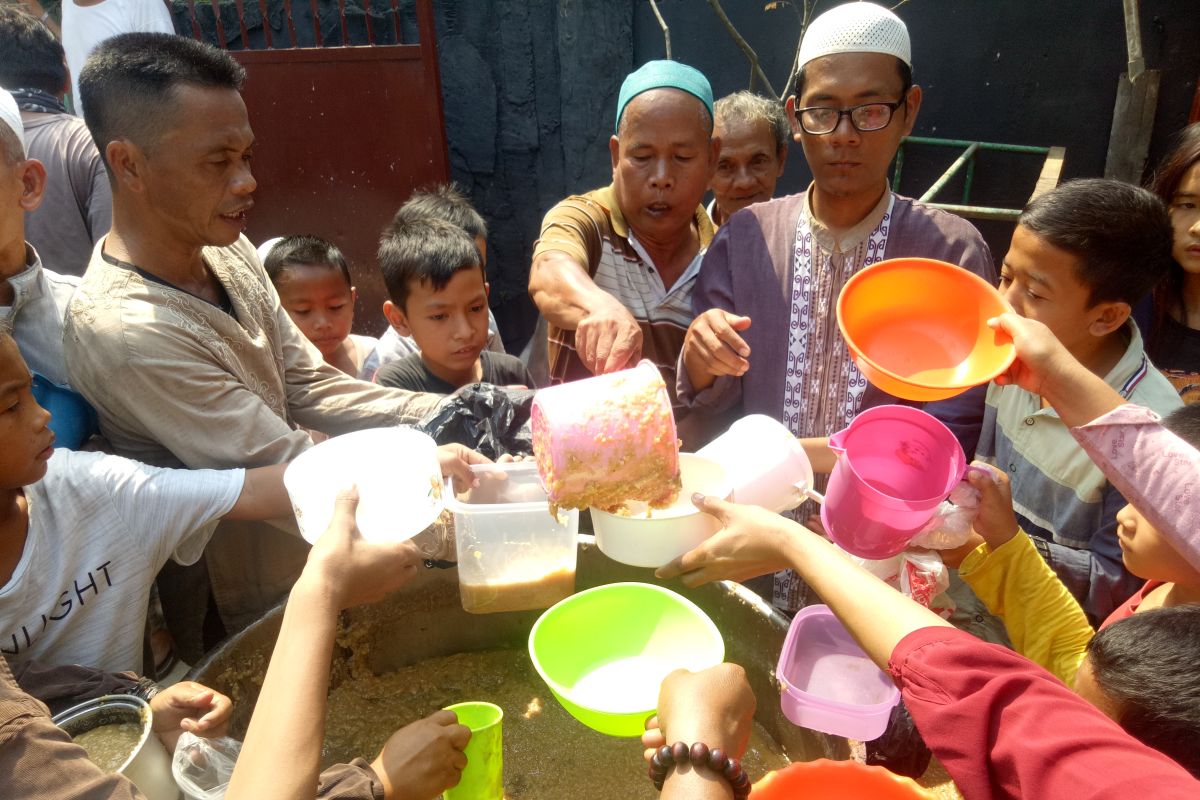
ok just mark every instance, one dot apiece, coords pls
pixel 820 120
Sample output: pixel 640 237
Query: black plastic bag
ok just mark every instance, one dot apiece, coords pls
pixel 489 419
pixel 901 749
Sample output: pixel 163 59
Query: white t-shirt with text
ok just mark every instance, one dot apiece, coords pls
pixel 100 529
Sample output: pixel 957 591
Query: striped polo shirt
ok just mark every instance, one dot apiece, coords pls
pixel 590 229
pixel 1058 494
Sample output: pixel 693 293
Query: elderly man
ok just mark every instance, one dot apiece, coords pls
pixel 614 269
pixel 176 335
pixel 754 145
pixel 767 340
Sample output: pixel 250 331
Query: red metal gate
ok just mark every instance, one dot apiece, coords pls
pixel 344 133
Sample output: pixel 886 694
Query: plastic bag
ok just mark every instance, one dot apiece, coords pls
pixel 489 419
pixel 951 524
pixel 203 767
pixel 925 579
pixel 916 574
pixel 901 748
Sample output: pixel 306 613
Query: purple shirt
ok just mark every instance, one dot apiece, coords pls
pixel 748 270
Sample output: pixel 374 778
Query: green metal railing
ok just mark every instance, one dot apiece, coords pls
pixel 1047 180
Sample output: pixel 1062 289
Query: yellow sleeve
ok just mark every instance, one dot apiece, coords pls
pixel 1044 621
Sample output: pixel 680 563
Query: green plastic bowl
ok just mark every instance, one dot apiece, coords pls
pixel 605 651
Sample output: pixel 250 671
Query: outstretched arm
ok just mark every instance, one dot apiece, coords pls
pixel 288 724
pixel 755 541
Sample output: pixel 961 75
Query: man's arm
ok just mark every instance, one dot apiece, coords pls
pixel 323 398
pixel 35 8
pixel 607 337
pixel 714 356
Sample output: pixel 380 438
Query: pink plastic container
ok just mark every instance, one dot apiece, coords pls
pixel 828 683
pixel 608 440
pixel 897 465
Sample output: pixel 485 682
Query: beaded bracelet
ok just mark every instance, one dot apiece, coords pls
pixel 698 755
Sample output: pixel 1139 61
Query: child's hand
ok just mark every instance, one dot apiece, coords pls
pixel 456 461
pixel 996 522
pixel 714 706
pixel 750 544
pixel 423 759
pixel 188 706
pixel 954 556
pixel 1041 358
pixel 351 571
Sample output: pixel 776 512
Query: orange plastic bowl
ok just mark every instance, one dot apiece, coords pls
pixel 917 328
pixel 845 780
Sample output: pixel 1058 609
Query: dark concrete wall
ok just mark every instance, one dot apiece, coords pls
pixel 530 89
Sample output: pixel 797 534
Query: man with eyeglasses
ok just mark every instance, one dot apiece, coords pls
pixel 765 339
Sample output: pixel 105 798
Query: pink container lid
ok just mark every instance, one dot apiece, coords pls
pixel 828 683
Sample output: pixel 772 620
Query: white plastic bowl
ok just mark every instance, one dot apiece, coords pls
pixel 654 537
pixel 766 463
pixel 397 474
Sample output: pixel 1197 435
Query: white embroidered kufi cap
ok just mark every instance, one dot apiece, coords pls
pixel 860 27
pixel 10 115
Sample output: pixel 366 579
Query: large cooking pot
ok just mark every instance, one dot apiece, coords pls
pixel 426 620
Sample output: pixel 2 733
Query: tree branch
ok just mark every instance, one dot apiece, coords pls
pixel 746 49
pixel 662 23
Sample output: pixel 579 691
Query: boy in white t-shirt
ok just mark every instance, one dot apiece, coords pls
pixel 82 535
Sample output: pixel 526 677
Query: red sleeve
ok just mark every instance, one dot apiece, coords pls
pixel 1006 728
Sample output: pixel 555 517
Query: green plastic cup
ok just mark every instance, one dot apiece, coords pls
pixel 483 777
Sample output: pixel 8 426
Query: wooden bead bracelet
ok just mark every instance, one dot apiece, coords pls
pixel 699 756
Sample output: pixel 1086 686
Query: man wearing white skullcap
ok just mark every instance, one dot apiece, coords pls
pixel 766 339
pixel 33 300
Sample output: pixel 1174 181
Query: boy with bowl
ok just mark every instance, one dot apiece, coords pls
pixel 1082 256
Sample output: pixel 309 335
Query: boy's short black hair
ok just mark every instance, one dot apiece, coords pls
pixel 1146 664
pixel 30 56
pixel 1120 235
pixel 126 86
pixel 306 251
pixel 427 250
pixel 1184 422
pixel 446 202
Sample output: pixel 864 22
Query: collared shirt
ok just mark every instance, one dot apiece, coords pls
pixel 591 229
pixel 1059 494
pixel 179 382
pixel 825 387
pixel 40 299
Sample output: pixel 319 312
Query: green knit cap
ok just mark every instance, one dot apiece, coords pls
pixel 664 75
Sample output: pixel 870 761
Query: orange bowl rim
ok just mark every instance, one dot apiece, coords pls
pixel 908 261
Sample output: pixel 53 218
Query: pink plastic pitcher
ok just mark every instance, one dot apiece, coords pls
pixel 897 465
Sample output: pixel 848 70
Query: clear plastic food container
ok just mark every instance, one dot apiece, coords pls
pixel 513 555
